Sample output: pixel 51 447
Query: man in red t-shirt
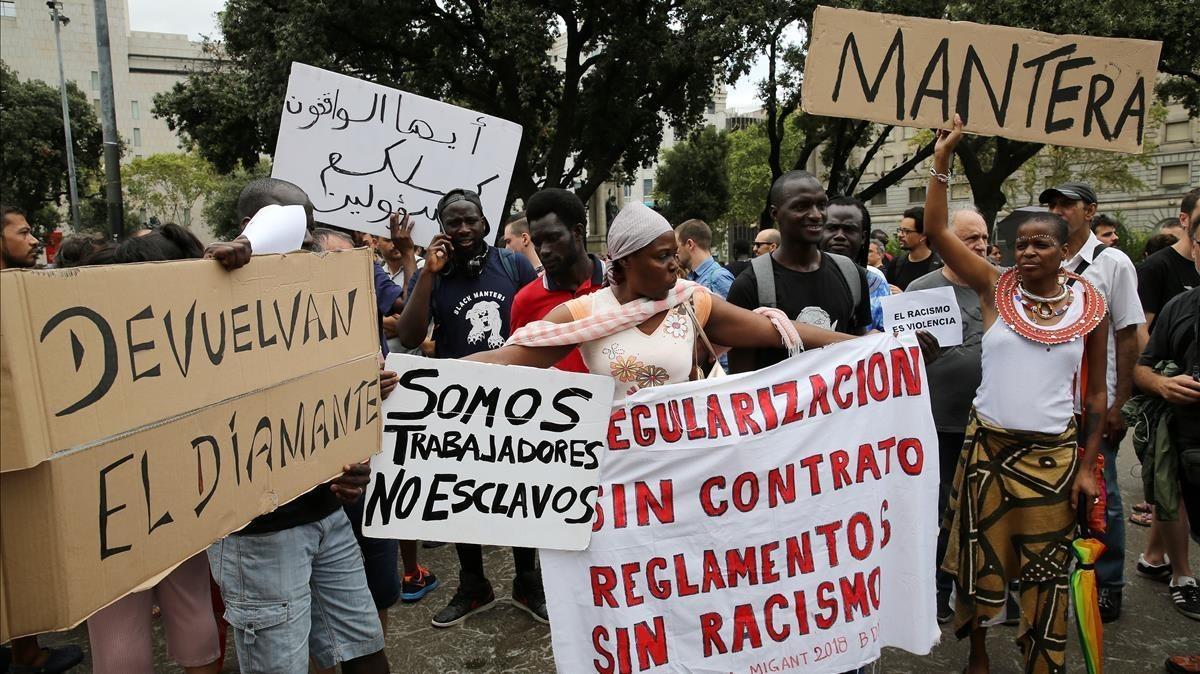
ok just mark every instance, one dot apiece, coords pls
pixel 558 228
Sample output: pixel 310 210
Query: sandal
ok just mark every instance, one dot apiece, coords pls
pixel 1142 519
pixel 1143 507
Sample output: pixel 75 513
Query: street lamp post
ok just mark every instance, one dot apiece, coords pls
pixel 60 20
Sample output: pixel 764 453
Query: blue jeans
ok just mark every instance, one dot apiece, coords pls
pixel 1110 568
pixel 296 593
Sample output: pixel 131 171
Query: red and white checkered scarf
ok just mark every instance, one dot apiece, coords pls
pixel 603 324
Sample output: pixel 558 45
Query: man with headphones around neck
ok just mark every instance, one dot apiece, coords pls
pixel 466 290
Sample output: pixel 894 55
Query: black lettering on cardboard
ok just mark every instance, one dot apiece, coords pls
pixel 108 354
pixel 489 398
pixel 313 315
pixel 214 357
pixel 373 400
pixel 216 450
pixel 166 516
pixel 291 332
pixel 974 63
pixel 940 54
pixel 1138 97
pixel 189 324
pixel 535 401
pixel 1040 63
pixel 105 511
pixel 233 438
pixel 336 317
pixel 870 92
pixel 1061 94
pixel 239 329
pixel 264 424
pixel 1095 106
pixel 263 342
pixel 431 513
pixel 400 446
pixel 287 448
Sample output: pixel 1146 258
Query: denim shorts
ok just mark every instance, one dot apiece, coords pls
pixel 381 559
pixel 296 593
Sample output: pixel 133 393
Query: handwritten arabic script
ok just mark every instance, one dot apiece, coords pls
pixel 362 151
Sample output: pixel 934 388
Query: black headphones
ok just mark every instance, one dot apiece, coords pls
pixel 475 263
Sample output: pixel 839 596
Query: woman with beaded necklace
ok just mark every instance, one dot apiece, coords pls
pixel 1020 477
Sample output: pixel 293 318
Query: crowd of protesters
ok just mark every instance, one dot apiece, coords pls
pixel 301 586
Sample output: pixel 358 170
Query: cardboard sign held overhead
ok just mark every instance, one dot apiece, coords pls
pixel 1022 84
pixel 488 454
pixel 362 151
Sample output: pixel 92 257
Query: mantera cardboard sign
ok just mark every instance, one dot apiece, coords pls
pixel 1022 84
pixel 151 409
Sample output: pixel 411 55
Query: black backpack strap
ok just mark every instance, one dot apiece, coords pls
pixel 849 273
pixel 1085 263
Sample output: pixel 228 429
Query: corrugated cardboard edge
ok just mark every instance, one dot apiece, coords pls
pixel 21 422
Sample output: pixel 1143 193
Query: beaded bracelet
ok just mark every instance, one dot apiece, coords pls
pixel 943 178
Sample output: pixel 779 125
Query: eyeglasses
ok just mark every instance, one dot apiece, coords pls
pixel 761 243
pixel 905 232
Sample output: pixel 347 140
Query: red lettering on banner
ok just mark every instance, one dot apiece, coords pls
pixel 886 446
pixel 706 501
pixel 619 509
pixel 743 414
pixel 873 587
pixel 684 587
pixel 604 579
pixel 775 601
pixel 911 456
pixel 820 395
pixel 861 375
pixel 598 634
pixel 694 430
pixel 710 634
pixel 814 478
pixel 659 589
pixel 877 377
pixel 861 535
pixel 716 418
pixel 854 596
pixel 745 627
pixel 829 531
pixel 714 578
pixel 781 485
pixel 644 437
pixel 884 525
pixel 839 459
pixel 669 424
pixel 627 571
pixel 768 563
pixel 598 520
pixel 906 372
pixel 741 564
pixel 651 645
pixel 792 412
pixel 768 409
pixel 866 462
pixel 663 506
pixel 799 554
pixel 802 627
pixel 828 604
pixel 743 499
pixel 840 375
pixel 615 441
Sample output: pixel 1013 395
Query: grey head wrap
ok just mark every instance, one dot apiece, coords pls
pixel 634 228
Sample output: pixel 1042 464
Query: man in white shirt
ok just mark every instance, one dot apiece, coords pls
pixel 1114 275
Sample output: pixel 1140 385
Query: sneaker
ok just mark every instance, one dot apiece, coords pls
pixel 58 659
pixel 1110 604
pixel 1186 596
pixel 418 585
pixel 529 596
pixel 471 598
pixel 1183 664
pixel 945 612
pixel 1158 572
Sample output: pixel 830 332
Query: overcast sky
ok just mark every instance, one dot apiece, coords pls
pixel 197 18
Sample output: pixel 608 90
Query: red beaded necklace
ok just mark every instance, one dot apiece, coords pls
pixel 1008 295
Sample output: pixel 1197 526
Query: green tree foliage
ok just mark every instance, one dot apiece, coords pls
pixel 749 170
pixel 691 181
pixel 220 206
pixel 593 111
pixel 166 185
pixel 33 160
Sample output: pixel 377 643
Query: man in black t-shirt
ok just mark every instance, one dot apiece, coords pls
pixel 809 286
pixel 919 259
pixel 1168 272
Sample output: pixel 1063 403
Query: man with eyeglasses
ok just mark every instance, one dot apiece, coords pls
pixel 766 242
pixel 918 259
pixel 466 290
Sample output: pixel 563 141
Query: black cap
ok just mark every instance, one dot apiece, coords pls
pixel 1074 191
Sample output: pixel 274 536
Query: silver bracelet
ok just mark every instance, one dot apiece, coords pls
pixel 943 178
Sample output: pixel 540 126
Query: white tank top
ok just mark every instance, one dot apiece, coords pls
pixel 634 359
pixel 1029 386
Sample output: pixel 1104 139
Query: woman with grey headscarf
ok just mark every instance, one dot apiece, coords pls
pixel 641 329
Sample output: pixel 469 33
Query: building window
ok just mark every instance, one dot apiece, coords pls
pixel 96 104
pixel 712 108
pixel 1177 132
pixel 95 80
pixel 1175 174
pixel 187 217
pixel 135 110
pixel 137 137
pixel 8 8
pixel 648 187
pixel 889 163
pixel 879 199
pixel 916 195
pixel 961 191
pixel 628 191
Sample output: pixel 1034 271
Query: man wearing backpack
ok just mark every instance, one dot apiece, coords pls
pixel 466 291
pixel 820 288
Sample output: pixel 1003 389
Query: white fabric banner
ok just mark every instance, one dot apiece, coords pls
pixel 362 150
pixel 779 520
pixel 489 454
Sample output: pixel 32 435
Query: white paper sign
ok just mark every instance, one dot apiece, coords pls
pixel 934 311
pixel 488 454
pixel 276 229
pixel 362 150
pixel 781 520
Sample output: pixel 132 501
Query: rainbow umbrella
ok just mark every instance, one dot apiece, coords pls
pixel 1087 608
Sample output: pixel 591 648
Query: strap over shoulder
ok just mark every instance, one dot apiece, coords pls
pixel 764 276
